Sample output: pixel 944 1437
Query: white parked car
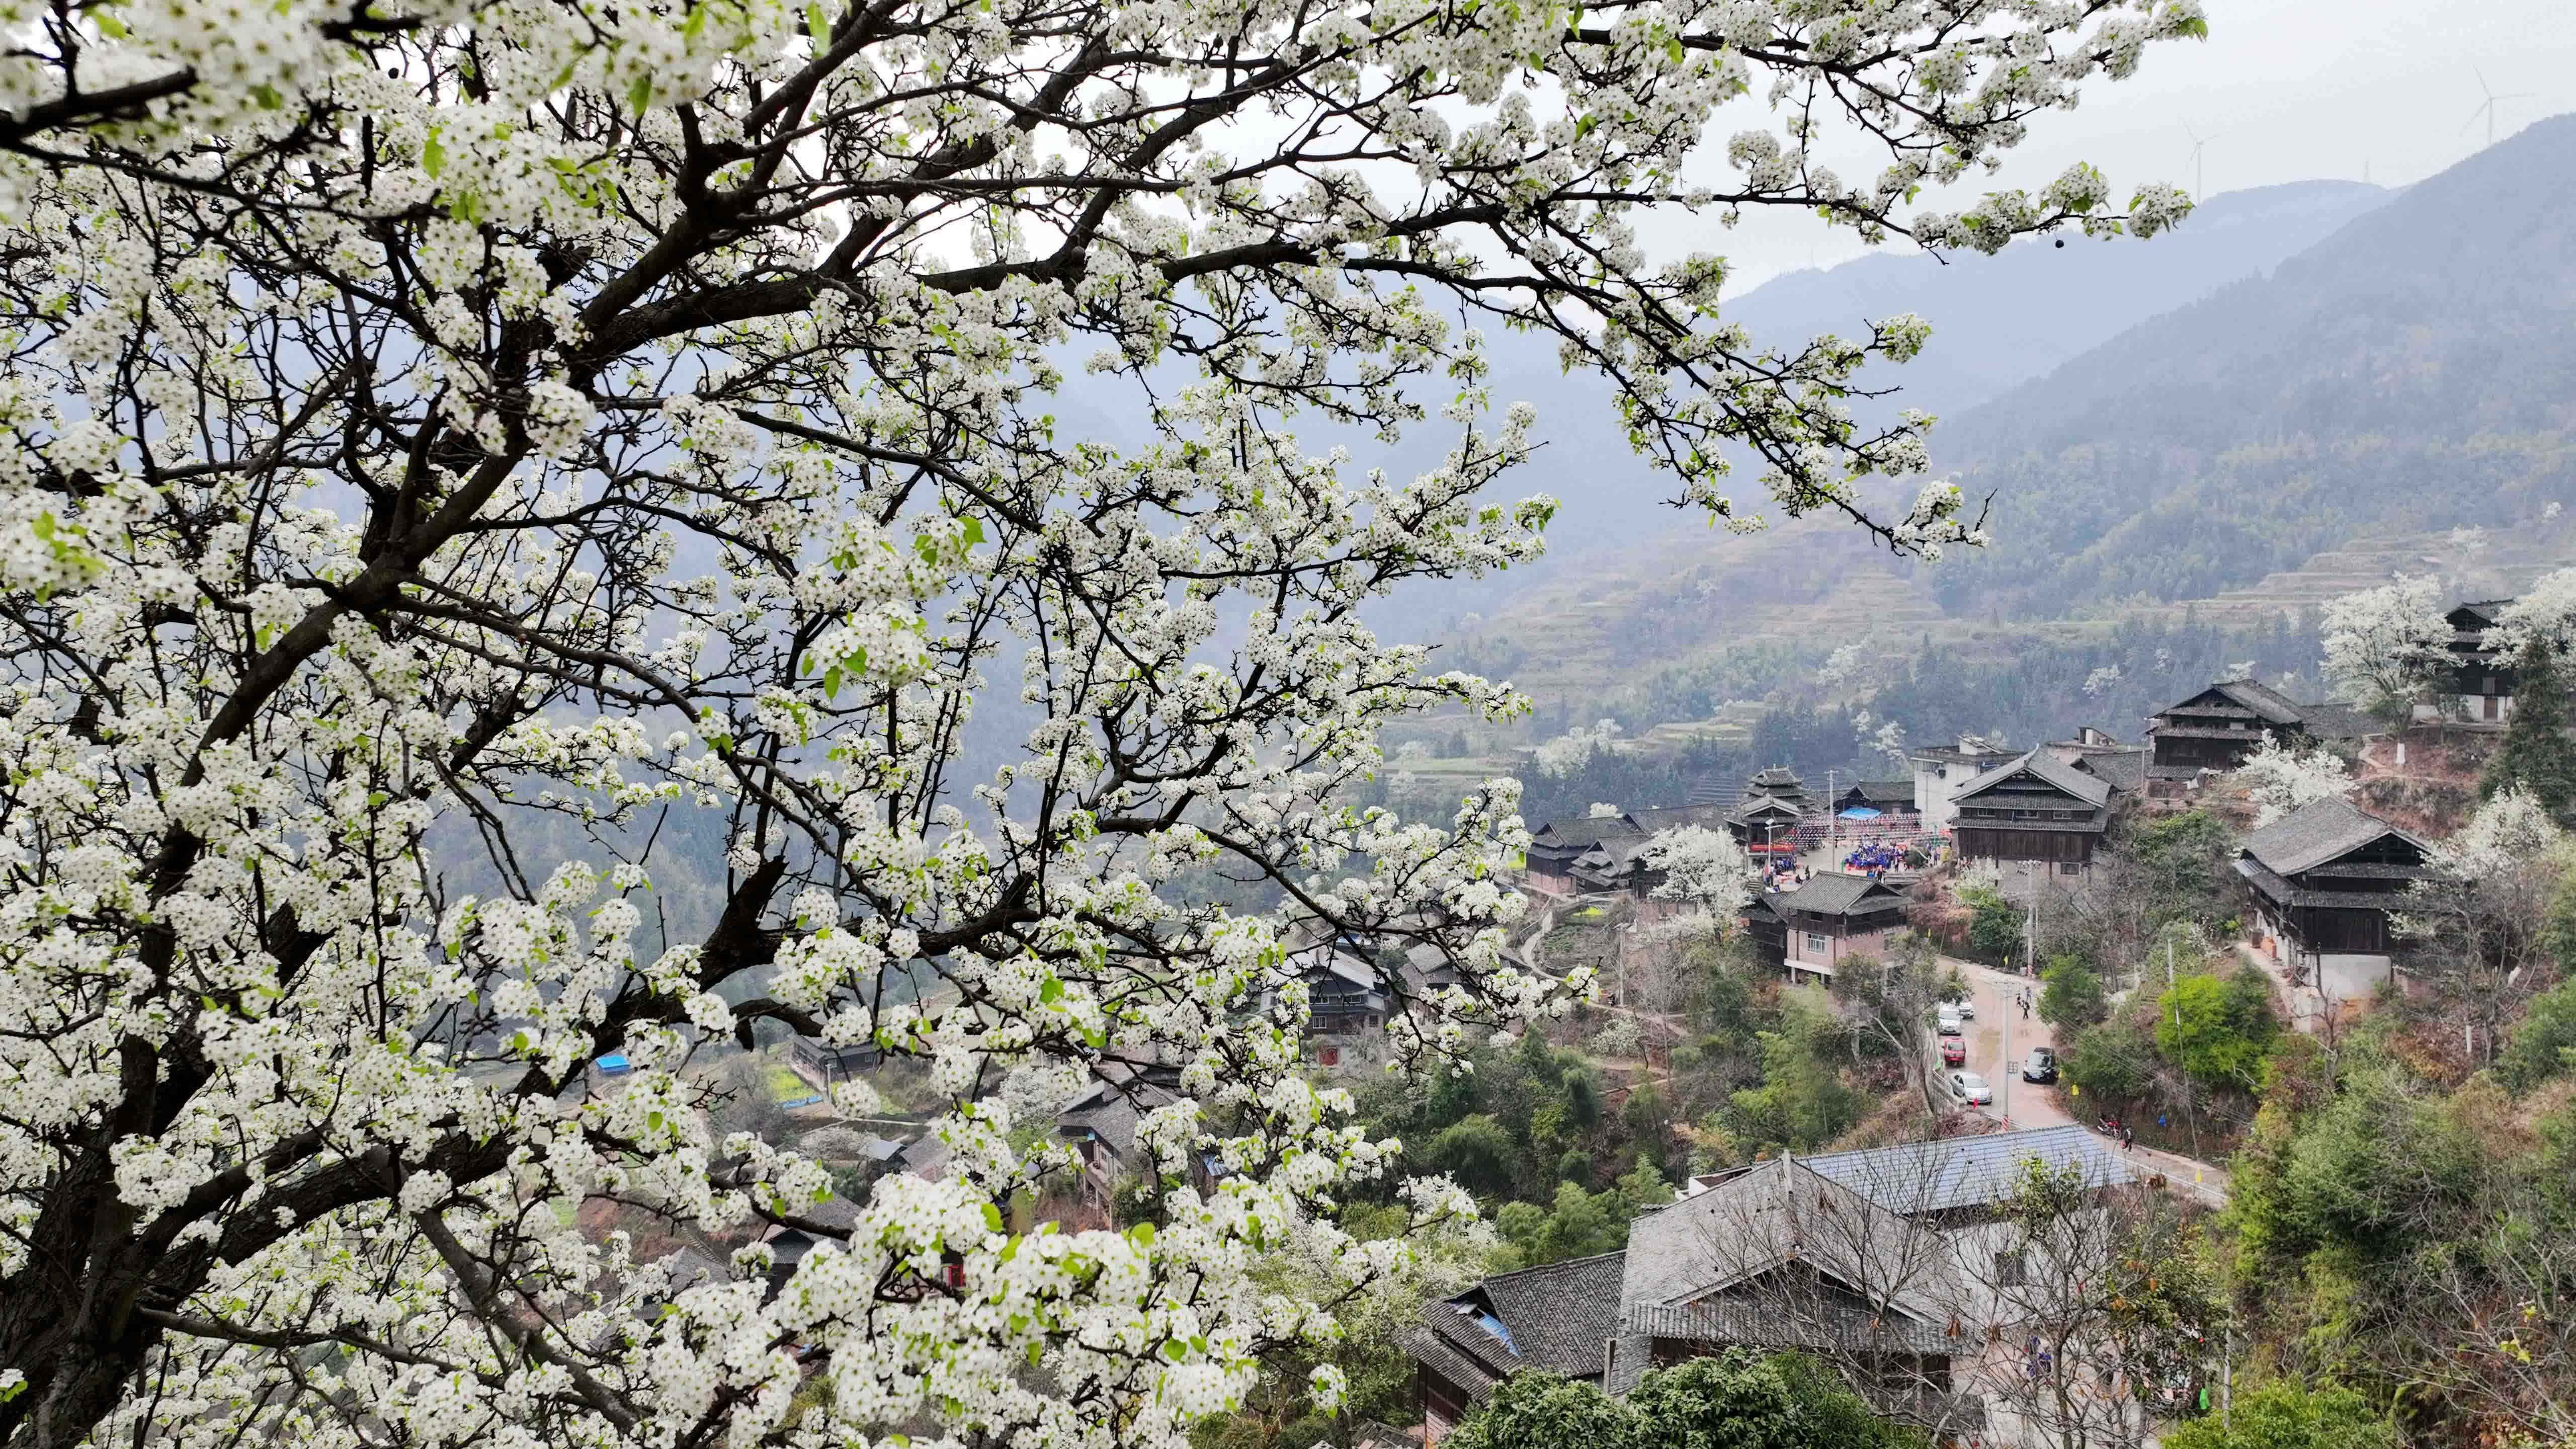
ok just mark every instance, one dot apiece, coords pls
pixel 1947 1019
pixel 1970 1088
pixel 1967 1007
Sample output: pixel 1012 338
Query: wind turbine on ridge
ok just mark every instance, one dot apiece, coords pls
pixel 2199 143
pixel 2488 108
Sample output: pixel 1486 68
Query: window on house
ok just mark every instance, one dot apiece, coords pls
pixel 1818 945
pixel 2069 867
pixel 2009 1270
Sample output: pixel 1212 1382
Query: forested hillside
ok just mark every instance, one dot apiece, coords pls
pixel 2403 377
pixel 2414 370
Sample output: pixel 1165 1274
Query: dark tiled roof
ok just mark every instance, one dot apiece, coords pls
pixel 2125 769
pixel 1673 817
pixel 2261 698
pixel 1950 756
pixel 1832 893
pixel 689 1268
pixel 1430 1344
pixel 1752 807
pixel 1898 791
pixel 2336 721
pixel 1556 1317
pixel 1585 833
pixel 1600 830
pixel 2316 833
pixel 1750 1225
pixel 2251 695
pixel 1562 1313
pixel 923 1156
pixel 1370 1434
pixel 2091 789
pixel 1955 1172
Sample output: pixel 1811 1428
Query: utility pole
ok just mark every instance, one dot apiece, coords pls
pixel 2030 930
pixel 1833 822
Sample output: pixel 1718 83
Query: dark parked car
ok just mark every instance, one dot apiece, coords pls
pixel 2039 1066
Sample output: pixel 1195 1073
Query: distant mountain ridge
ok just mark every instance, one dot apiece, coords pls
pixel 2001 321
pixel 2415 370
pixel 1997 322
pixel 2406 372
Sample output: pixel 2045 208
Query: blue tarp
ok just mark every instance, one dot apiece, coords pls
pixel 614 1062
pixel 1860 812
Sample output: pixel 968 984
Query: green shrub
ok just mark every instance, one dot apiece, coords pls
pixel 2290 1416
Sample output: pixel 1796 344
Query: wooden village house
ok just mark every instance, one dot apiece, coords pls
pixel 2033 816
pixel 1343 993
pixel 1851 1254
pixel 1892 799
pixel 1766 814
pixel 1601 853
pixel 2322 881
pixel 824 1063
pixel 2478 688
pixel 2214 730
pixel 1809 929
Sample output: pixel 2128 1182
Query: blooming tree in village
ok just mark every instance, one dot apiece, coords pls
pixel 2384 645
pixel 1702 866
pixel 2279 778
pixel 542 420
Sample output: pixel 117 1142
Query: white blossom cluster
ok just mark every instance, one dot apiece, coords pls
pixel 1703 866
pixel 2544 613
pixel 2384 645
pixel 2279 778
pixel 516 526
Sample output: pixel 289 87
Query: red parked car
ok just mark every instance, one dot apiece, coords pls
pixel 1954 1052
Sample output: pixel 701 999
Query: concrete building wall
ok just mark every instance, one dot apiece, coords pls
pixel 1818 954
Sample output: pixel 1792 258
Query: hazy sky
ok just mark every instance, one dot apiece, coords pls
pixel 2287 90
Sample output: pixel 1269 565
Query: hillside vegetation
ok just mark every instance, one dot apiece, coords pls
pixel 2393 396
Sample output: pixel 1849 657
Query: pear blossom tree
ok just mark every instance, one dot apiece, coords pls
pixel 2385 645
pixel 439 432
pixel 1704 867
pixel 2546 611
pixel 2280 779
pixel 1569 752
pixel 1890 741
pixel 2477 925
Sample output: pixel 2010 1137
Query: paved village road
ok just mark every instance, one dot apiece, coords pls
pixel 2020 1103
pixel 2028 1104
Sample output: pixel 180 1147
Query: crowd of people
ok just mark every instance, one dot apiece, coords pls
pixel 1875 860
